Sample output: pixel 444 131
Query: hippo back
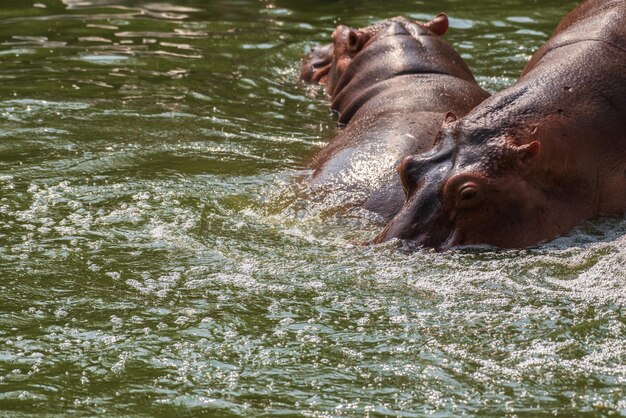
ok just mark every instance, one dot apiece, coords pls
pixel 401 48
pixel 592 20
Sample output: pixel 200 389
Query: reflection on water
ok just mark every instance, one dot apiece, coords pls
pixel 159 254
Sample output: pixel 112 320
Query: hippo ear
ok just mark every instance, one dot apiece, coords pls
pixel 356 41
pixel 527 152
pixel 439 25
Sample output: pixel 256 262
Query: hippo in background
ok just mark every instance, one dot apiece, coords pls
pixel 391 85
pixel 536 159
pixel 316 64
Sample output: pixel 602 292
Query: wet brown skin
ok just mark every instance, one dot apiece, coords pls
pixel 391 84
pixel 535 160
pixel 318 62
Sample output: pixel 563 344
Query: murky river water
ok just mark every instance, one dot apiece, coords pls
pixel 159 256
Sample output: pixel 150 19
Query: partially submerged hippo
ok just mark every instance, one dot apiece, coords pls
pixel 392 85
pixel 316 64
pixel 536 159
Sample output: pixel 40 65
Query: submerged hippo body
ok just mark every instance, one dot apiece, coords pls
pixel 536 159
pixel 391 85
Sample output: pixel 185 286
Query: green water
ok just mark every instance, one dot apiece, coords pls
pixel 159 254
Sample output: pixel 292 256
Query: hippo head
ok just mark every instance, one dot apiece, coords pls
pixel 472 191
pixel 316 64
pixel 348 42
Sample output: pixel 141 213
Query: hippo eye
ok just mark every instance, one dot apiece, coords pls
pixel 469 194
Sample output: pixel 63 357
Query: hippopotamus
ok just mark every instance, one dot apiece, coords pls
pixel 536 159
pixel 316 64
pixel 318 61
pixel 391 85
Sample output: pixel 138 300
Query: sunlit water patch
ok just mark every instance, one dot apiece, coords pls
pixel 160 253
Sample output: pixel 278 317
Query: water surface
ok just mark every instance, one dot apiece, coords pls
pixel 159 256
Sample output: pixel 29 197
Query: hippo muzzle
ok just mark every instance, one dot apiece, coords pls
pixel 423 219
